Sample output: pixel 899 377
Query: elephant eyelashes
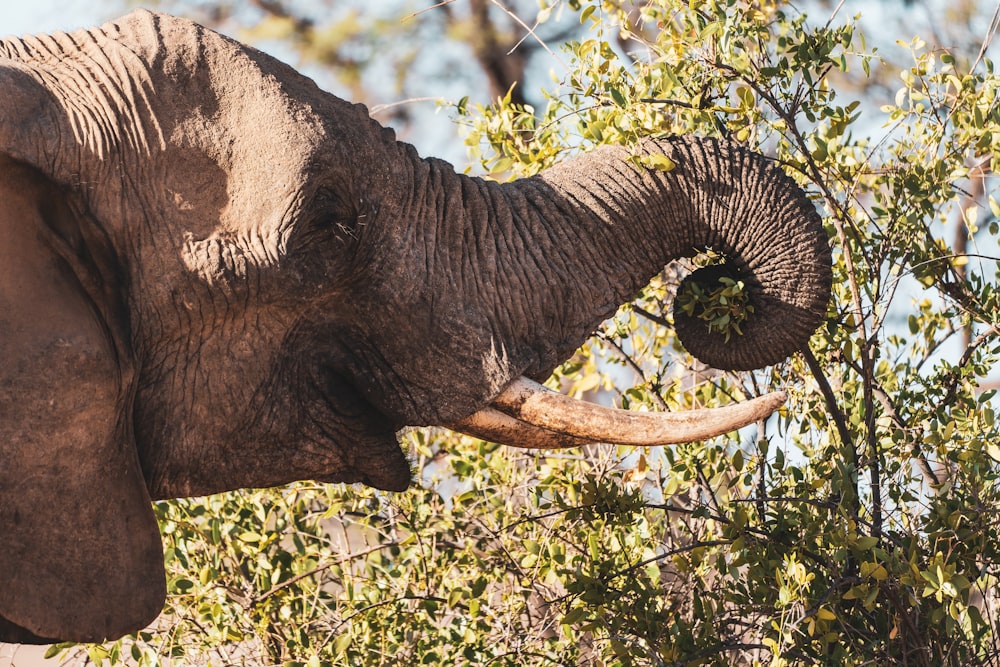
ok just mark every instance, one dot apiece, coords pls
pixel 334 213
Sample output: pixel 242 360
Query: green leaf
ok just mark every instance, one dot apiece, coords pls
pixel 97 653
pixel 657 162
pixel 594 546
pixel 866 543
pixel 342 643
pixel 55 649
pixel 618 97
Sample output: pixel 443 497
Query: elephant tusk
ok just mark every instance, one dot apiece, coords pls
pixel 533 405
pixel 495 426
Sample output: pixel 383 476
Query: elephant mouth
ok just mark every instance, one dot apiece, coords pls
pixel 528 415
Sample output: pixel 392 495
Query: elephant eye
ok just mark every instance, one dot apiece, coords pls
pixel 332 212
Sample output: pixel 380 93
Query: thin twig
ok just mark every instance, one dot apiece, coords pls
pixel 636 369
pixel 761 472
pixel 381 603
pixel 340 561
pixel 427 9
pixel 990 32
pixel 517 19
pixel 831 401
pixel 652 317
pixel 833 14
pixel 667 554
pixel 673 103
pixel 379 108
pixel 951 383
pixel 890 410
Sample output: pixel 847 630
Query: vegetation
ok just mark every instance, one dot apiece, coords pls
pixel 858 527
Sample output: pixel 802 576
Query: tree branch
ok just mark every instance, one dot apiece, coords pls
pixel 830 399
pixel 305 575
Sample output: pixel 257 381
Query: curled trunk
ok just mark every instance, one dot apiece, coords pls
pixel 598 229
pixel 619 227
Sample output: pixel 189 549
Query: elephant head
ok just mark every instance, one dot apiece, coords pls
pixel 215 275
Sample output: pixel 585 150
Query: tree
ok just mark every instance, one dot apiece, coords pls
pixel 857 527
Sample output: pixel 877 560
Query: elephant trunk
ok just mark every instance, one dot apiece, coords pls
pixel 511 279
pixel 590 233
pixel 617 225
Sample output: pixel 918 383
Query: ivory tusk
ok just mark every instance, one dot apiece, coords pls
pixel 495 426
pixel 531 403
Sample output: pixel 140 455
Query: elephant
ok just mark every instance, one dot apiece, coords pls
pixel 215 275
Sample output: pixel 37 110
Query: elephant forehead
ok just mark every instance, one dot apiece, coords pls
pixel 226 178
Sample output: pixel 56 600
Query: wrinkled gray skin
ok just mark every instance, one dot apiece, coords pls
pixel 215 275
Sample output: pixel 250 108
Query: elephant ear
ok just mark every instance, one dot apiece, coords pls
pixel 80 554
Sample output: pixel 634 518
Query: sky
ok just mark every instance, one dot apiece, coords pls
pixel 19 17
